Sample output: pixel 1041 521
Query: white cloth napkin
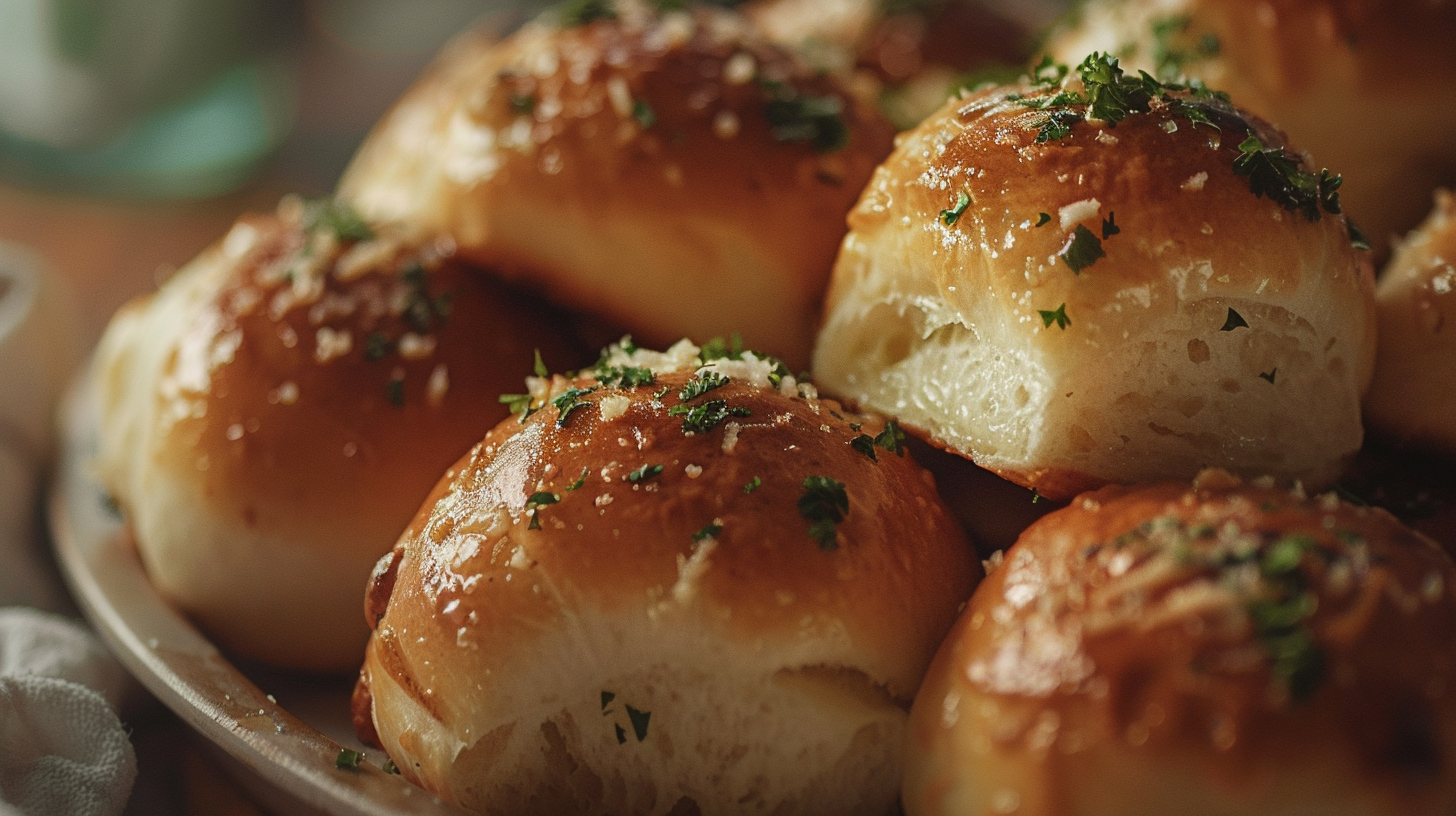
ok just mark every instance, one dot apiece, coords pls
pixel 63 751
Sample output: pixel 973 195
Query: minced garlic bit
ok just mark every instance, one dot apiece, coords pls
pixel 693 471
pixel 416 346
pixel 1078 211
pixel 330 344
pixel 1194 182
pixel 437 386
pixel 613 406
pixel 730 436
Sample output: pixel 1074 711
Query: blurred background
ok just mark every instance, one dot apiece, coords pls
pixel 133 133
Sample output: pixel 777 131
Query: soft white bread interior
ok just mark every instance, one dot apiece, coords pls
pixel 274 415
pixel 1366 86
pixel 676 587
pixel 1072 300
pixel 1413 395
pixel 1214 650
pixel 674 173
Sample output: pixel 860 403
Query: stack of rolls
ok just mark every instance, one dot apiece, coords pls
pixel 681 581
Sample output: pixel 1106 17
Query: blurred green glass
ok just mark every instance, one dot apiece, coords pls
pixel 143 98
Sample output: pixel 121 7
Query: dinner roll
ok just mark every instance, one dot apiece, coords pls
pixel 680 583
pixel 1413 394
pixel 1223 650
pixel 908 57
pixel 1130 289
pixel 272 418
pixel 1367 86
pixel 674 173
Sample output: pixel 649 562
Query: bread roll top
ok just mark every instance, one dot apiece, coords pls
pixel 670 171
pixel 1224 647
pixel 1093 277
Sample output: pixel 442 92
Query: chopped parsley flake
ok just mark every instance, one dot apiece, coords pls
pixel 422 312
pixel 1057 125
pixel 523 103
pixel 1057 316
pixel 1169 57
pixel 661 392
pixel 1042 219
pixel 644 473
pixel 607 698
pixel 824 505
pixel 950 216
pixel 891 438
pixel 1234 321
pixel 1276 174
pixel 708 531
pixel 540 366
pixel 624 376
pixel 338 218
pixel 753 484
pixel 707 416
pixel 621 734
pixel 639 721
pixel 701 384
pixel 580 480
pixel 582 12
pixel 390 767
pixel 1083 250
pixel 535 502
pixel 1109 226
pixel 376 346
pixel 519 404
pixel 864 443
pixel 720 349
pixel 1268 376
pixel 1357 238
pixel 643 113
pixel 568 401
pixel 348 759
pixel 797 117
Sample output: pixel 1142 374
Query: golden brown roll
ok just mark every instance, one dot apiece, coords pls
pixel 1367 86
pixel 1217 651
pixel 673 173
pixel 908 57
pixel 671 588
pixel 1413 395
pixel 1090 279
pixel 272 418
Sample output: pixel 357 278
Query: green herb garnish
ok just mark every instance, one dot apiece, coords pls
pixel 720 349
pixel 950 216
pixel 639 722
pixel 797 117
pixel 701 384
pixel 1083 250
pixel 643 113
pixel 519 404
pixel 624 376
pixel 891 438
pixel 707 416
pixel 337 217
pixel 1042 219
pixel 580 480
pixel 582 12
pixel 540 366
pixel 348 759
pixel 1276 174
pixel 535 502
pixel 753 484
pixel 644 473
pixel 376 346
pixel 824 504
pixel 1234 321
pixel 1169 58
pixel 390 767
pixel 708 531
pixel 1057 316
pixel 607 698
pixel 864 443
pixel 1268 376
pixel 568 401
pixel 1109 226
pixel 523 103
